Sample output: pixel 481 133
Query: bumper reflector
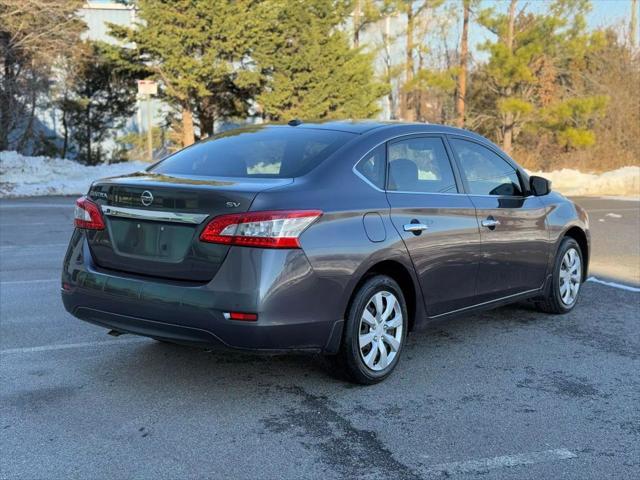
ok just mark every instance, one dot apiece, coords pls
pixel 244 317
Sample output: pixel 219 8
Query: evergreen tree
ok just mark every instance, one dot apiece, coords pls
pixel 531 71
pixel 201 53
pixel 311 70
pixel 98 98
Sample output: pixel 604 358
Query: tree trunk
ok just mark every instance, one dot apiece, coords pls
pixel 187 127
pixel 6 99
pixel 389 67
pixel 464 54
pixel 508 119
pixel 419 98
pixel 356 24
pixel 65 138
pixel 206 120
pixel 633 28
pixel 88 132
pixel 405 110
pixel 28 131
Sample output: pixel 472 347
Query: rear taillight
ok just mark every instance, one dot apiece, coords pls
pixel 87 215
pixel 275 229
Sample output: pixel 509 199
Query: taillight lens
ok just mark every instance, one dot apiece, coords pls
pixel 274 229
pixel 88 215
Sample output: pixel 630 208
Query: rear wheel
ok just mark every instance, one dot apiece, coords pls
pixel 566 281
pixel 375 331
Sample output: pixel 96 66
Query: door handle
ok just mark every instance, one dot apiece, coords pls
pixel 490 222
pixel 415 228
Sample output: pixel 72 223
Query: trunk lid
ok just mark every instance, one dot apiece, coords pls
pixel 153 222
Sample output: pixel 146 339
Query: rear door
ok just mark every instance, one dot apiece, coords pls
pixel 437 223
pixel 512 224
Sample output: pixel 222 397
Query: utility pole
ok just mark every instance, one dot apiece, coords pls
pixel 149 131
pixel 147 88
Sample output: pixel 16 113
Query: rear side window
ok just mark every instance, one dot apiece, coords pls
pixel 420 165
pixel 371 166
pixel 485 171
pixel 271 152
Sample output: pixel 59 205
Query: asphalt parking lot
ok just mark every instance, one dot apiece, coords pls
pixel 510 393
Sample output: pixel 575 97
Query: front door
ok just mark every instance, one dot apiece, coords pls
pixel 438 224
pixel 513 230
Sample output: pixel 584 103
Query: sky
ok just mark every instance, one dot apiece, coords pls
pixel 607 12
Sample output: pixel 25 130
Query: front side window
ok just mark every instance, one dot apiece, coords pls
pixel 420 165
pixel 271 152
pixel 485 171
pixel 372 165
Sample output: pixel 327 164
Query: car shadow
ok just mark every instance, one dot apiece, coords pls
pixel 187 366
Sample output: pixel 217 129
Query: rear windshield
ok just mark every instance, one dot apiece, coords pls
pixel 272 152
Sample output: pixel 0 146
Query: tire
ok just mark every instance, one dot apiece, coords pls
pixel 364 365
pixel 565 272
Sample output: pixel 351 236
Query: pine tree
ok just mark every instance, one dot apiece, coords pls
pixel 528 47
pixel 311 70
pixel 200 53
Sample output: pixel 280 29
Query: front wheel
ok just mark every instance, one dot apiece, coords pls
pixel 375 331
pixel 566 281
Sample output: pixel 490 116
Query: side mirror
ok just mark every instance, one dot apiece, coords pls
pixel 539 186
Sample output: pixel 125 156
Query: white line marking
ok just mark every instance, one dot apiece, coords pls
pixel 30 224
pixel 621 286
pixel 620 198
pixel 69 205
pixel 592 210
pixel 70 346
pixel 20 282
pixel 485 464
pixel 32 247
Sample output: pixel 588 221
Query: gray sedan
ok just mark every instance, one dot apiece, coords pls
pixel 338 238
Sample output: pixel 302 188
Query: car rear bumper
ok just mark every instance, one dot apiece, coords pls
pixel 297 310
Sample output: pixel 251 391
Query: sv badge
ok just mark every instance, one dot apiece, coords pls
pixel 233 204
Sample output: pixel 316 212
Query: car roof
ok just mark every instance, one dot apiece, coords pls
pixel 364 126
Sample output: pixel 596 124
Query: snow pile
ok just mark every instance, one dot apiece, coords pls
pixel 624 181
pixel 22 176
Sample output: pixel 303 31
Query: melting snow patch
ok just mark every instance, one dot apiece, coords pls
pixel 22 176
pixel 623 181
pixel 613 215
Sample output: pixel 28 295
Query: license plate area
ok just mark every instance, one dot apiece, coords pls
pixel 151 240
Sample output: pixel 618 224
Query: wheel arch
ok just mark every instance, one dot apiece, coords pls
pixel 401 274
pixel 580 236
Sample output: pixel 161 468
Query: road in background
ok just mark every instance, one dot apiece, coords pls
pixel 615 230
pixel 510 393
